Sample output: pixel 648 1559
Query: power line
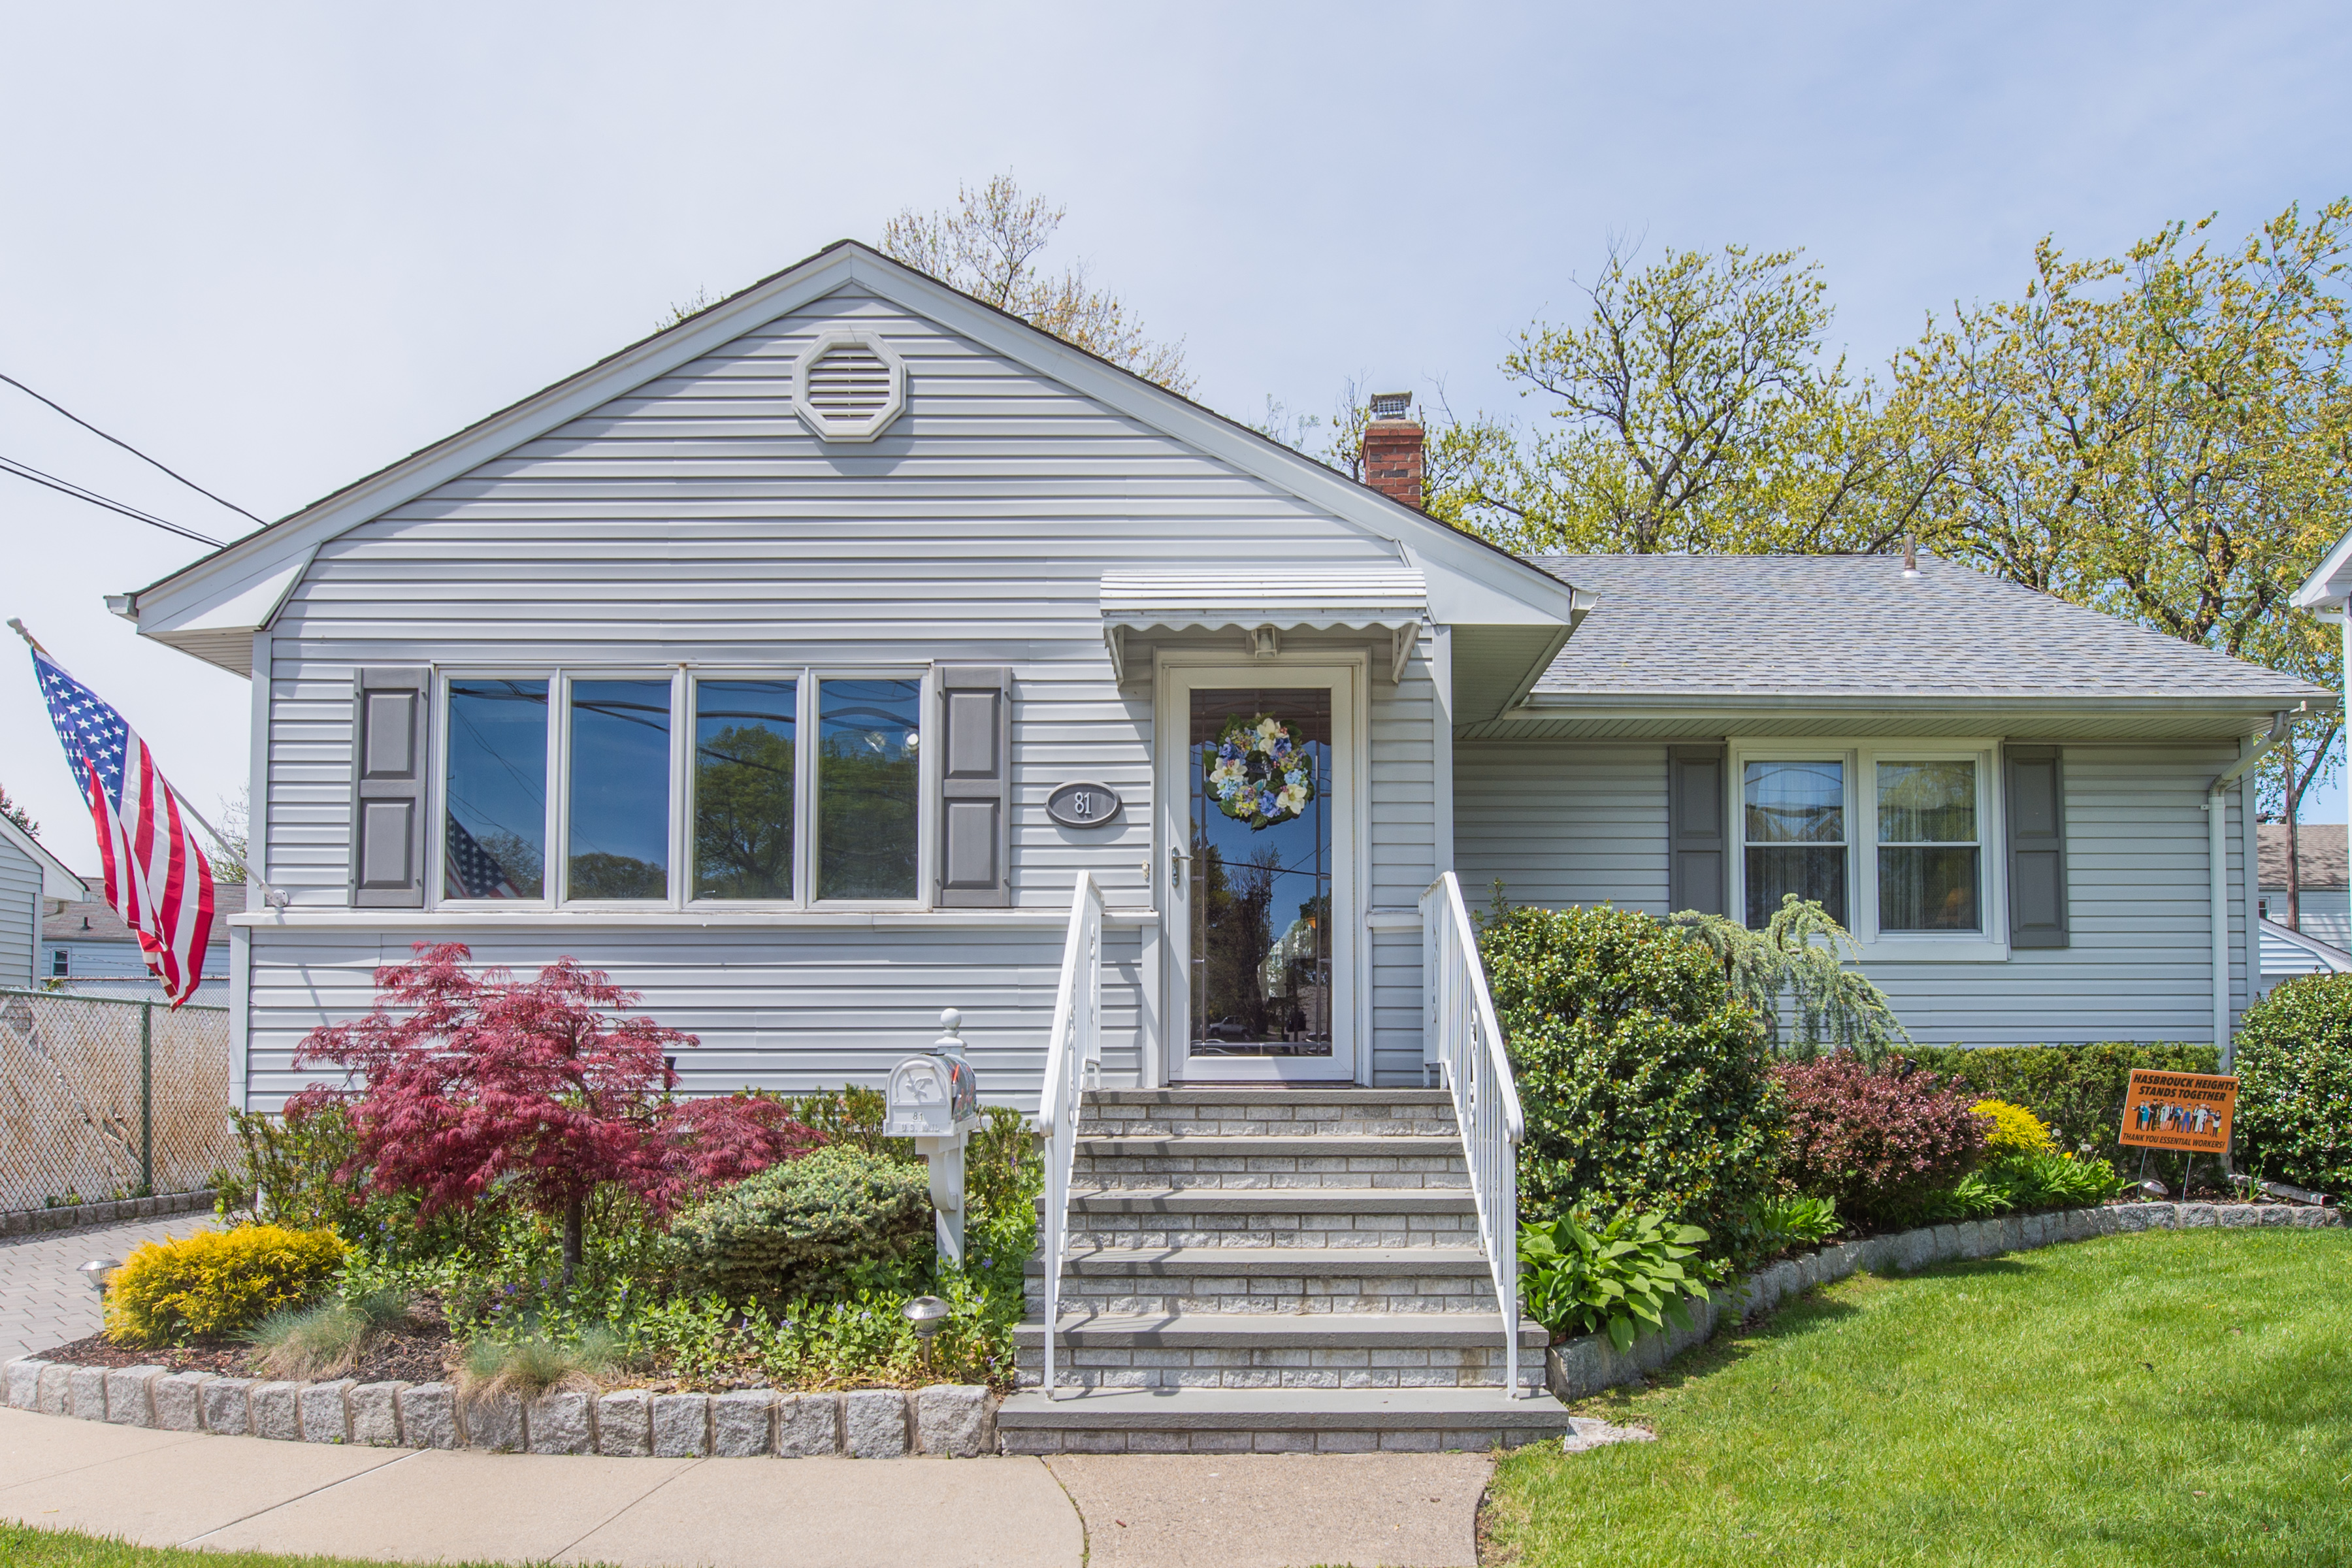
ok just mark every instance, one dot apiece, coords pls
pixel 67 487
pixel 127 447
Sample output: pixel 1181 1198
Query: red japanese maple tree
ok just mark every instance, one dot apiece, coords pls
pixel 467 1079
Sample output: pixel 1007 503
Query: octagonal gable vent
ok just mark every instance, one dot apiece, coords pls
pixel 849 385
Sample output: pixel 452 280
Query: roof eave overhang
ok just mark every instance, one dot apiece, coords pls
pixel 2330 582
pixel 1471 582
pixel 1551 704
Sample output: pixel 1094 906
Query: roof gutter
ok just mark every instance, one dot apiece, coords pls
pixel 2216 865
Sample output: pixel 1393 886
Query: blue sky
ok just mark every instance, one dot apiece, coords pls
pixel 280 246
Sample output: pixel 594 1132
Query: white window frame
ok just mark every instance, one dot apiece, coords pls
pixel 679 896
pixel 1862 757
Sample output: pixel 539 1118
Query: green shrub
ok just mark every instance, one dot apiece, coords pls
pixel 1644 1083
pixel 2295 1083
pixel 216 1282
pixel 2077 1090
pixel 804 1227
pixel 1619 1278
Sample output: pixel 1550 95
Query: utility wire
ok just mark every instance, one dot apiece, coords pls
pixel 127 447
pixel 67 487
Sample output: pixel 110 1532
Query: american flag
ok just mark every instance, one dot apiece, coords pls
pixel 157 878
pixel 472 871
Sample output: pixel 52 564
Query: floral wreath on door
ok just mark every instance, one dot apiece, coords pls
pixel 1259 774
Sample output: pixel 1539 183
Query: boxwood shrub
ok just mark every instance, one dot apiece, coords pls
pixel 2294 1084
pixel 2077 1090
pixel 801 1227
pixel 1643 1082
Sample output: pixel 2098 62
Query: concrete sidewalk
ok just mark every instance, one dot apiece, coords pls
pixel 419 1505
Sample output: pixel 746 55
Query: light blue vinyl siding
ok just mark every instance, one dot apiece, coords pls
pixel 1566 822
pixel 696 519
pixel 20 915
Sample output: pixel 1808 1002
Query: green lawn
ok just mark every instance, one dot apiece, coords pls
pixel 2163 1398
pixel 21 1546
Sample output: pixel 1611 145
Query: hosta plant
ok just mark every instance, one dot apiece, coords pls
pixel 1579 1276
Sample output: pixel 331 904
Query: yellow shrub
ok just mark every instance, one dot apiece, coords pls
pixel 2015 1128
pixel 217 1281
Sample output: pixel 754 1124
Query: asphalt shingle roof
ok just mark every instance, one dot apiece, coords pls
pixel 1854 626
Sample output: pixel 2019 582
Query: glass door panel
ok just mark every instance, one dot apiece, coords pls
pixel 1260 874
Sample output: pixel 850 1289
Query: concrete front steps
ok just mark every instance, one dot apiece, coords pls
pixel 1273 1270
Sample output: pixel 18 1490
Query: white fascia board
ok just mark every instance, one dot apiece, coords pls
pixel 2329 583
pixel 252 602
pixel 1470 582
pixel 58 881
pixel 2337 960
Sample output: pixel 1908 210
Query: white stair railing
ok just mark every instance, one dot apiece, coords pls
pixel 1460 1036
pixel 1073 1053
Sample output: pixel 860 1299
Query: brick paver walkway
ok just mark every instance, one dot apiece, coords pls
pixel 44 1302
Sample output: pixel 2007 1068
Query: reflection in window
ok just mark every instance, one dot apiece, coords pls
pixel 1794 817
pixel 867 788
pixel 619 833
pixel 1927 849
pixel 494 835
pixel 743 788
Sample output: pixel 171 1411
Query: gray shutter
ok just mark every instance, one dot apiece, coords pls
pixel 1697 872
pixel 389 730
pixel 2037 846
pixel 975 784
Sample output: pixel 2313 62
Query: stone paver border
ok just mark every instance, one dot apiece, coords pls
pixel 1579 1368
pixel 955 1420
pixel 115 1211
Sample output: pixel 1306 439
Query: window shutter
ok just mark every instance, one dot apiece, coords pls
pixel 388 745
pixel 975 782
pixel 1695 876
pixel 2037 846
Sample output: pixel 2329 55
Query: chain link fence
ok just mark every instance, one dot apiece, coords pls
pixel 102 1098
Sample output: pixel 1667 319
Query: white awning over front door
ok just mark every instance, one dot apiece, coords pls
pixel 1391 601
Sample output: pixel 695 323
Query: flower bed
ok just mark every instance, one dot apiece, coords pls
pixel 1578 1368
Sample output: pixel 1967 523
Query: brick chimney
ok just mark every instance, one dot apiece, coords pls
pixel 1393 448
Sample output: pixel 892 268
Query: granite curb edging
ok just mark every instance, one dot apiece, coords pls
pixel 1579 1368
pixel 114 1211
pixel 949 1420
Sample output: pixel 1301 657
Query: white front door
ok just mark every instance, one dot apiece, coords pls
pixel 1259 784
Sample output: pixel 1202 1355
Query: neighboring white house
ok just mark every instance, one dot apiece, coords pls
pixel 747 664
pixel 32 882
pixel 86 948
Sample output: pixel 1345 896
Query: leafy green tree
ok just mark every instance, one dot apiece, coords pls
pixel 987 245
pixel 743 814
pixel 1696 407
pixel 16 813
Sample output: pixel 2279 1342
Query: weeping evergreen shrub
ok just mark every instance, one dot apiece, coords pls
pixel 1644 1082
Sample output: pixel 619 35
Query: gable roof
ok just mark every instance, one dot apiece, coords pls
pixel 211 608
pixel 57 880
pixel 95 921
pixel 1828 631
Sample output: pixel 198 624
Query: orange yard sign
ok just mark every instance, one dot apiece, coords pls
pixel 2187 1111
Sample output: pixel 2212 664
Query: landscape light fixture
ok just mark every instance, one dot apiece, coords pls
pixel 926 1314
pixel 97 1271
pixel 2153 1188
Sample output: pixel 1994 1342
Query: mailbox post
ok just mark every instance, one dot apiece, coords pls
pixel 934 1100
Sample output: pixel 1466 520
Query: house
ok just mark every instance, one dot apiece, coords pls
pixel 32 882
pixel 2320 943
pixel 86 948
pixel 851 650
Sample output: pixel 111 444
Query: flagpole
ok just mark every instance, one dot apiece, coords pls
pixel 218 837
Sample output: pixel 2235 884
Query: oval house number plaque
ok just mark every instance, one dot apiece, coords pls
pixel 1082 805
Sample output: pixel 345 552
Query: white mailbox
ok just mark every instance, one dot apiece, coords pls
pixel 935 1099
